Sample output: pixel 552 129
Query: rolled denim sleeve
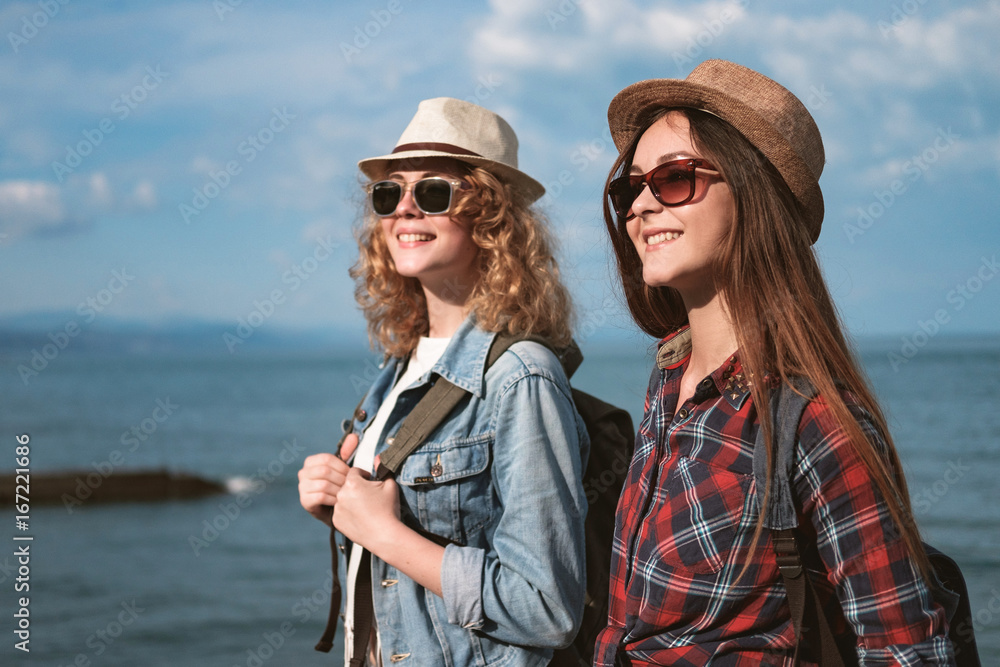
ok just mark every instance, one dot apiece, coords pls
pixel 528 588
pixel 462 585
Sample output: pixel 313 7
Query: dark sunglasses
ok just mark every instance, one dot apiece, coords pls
pixel 431 195
pixel 672 183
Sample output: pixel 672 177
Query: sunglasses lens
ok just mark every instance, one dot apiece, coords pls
pixel 433 195
pixel 673 183
pixel 385 197
pixel 622 194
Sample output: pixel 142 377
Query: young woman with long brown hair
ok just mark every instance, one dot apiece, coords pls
pixel 475 551
pixel 712 206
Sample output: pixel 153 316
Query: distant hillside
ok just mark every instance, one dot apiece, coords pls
pixel 68 331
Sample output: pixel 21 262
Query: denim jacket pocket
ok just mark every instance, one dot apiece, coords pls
pixel 697 524
pixel 447 486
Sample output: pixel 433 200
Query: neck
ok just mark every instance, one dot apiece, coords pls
pixel 446 310
pixel 713 337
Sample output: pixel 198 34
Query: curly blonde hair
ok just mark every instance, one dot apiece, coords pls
pixel 518 289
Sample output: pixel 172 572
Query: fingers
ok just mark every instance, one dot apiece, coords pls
pixel 316 501
pixel 355 473
pixel 324 466
pixel 350 444
pixel 320 480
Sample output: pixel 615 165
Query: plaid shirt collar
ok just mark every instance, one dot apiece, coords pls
pixel 730 379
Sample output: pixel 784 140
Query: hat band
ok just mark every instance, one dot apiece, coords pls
pixel 431 146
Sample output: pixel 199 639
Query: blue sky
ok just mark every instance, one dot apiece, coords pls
pixel 168 161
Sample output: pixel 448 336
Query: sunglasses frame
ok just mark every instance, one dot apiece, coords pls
pixel 636 181
pixel 406 187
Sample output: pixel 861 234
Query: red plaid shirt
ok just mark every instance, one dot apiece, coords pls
pixel 686 518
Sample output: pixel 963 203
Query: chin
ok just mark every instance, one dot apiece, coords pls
pixel 656 279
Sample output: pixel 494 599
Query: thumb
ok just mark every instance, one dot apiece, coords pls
pixel 350 444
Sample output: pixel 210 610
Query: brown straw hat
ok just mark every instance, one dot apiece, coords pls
pixel 764 112
pixel 446 127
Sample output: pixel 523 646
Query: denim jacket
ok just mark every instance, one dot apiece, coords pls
pixel 501 479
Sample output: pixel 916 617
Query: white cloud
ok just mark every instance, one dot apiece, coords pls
pixel 577 36
pixel 30 208
pixel 942 153
pixel 43 209
pixel 840 46
pixel 202 165
pixel 855 54
pixel 279 258
pixel 100 190
pixel 144 195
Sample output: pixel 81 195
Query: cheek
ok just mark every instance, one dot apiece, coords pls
pixel 632 228
pixel 726 207
pixel 459 238
pixel 387 240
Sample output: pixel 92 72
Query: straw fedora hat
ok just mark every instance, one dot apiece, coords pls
pixel 446 127
pixel 763 111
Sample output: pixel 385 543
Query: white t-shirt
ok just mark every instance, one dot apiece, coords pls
pixel 428 351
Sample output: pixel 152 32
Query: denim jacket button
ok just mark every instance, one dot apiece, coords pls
pixel 386 583
pixel 360 415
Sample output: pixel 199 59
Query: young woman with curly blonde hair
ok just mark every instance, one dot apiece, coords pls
pixel 475 551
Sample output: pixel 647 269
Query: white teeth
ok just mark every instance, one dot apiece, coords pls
pixel 413 238
pixel 663 236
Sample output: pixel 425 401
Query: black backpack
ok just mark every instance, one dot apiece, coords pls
pixel 808 618
pixel 612 440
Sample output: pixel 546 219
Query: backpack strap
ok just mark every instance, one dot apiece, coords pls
pixel 426 415
pixel 325 643
pixel 787 407
pixel 788 403
pixel 442 398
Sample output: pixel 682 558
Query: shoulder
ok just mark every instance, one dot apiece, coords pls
pixel 527 359
pixel 819 424
pixel 826 454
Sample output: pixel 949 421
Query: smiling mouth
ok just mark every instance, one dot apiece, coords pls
pixel 663 237
pixel 415 238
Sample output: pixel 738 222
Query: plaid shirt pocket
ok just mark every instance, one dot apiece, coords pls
pixel 696 524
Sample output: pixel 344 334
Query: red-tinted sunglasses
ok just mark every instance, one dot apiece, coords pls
pixel 672 183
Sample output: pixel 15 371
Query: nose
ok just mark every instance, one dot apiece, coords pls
pixel 645 202
pixel 407 208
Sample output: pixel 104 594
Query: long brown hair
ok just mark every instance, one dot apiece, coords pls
pixel 785 322
pixel 518 289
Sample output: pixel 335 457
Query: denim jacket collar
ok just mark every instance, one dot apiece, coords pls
pixel 464 361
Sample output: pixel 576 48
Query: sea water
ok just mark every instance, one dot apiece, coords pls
pixel 216 582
